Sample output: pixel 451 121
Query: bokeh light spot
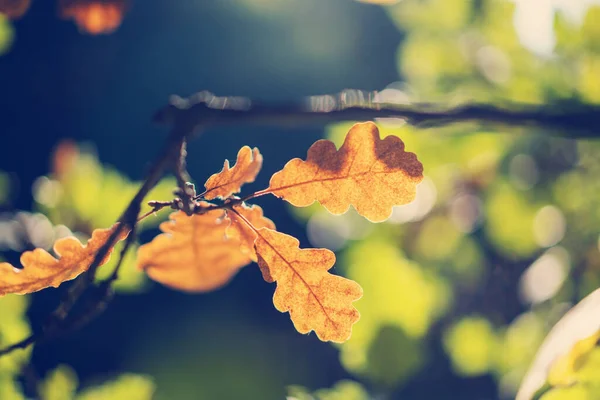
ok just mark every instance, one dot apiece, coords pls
pixel 542 279
pixel 549 226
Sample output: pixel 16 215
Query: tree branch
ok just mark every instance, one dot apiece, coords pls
pixel 574 121
pixel 56 323
pixel 203 110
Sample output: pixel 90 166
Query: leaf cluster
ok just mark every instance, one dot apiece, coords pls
pixel 202 249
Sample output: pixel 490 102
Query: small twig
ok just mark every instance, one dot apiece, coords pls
pixel 21 344
pixel 186 190
pixel 97 305
pixel 55 325
pixel 156 207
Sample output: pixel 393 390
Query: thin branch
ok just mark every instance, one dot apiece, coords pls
pixel 186 190
pixel 56 323
pixel 203 110
pixel 572 121
pixel 21 344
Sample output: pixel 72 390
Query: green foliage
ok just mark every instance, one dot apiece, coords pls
pixel 13 327
pixel 491 196
pixel 131 279
pixel 9 389
pixel 471 344
pixel 4 188
pixel 510 221
pixel 84 194
pixel 386 343
pixel 81 192
pixel 125 387
pixel 62 383
pixel 6 34
pixel 343 390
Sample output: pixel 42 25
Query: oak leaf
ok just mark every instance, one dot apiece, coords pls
pixel 42 270
pixel 230 180
pixel 367 172
pixel 193 254
pixel 315 299
pixel 240 230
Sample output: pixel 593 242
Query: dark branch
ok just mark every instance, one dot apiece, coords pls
pixel 187 116
pixel 207 110
pixel 57 322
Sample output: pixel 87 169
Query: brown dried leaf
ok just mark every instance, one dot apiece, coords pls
pixel 239 229
pixel 42 270
pixel 230 180
pixel 193 254
pixel 315 299
pixel 367 172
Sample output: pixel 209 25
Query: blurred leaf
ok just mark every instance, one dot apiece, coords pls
pixel 566 349
pixel 394 357
pixel 60 384
pixel 125 387
pixel 82 193
pixel 131 279
pixel 95 17
pixel 413 300
pixel 468 264
pixel 342 390
pixel 6 34
pixel 591 29
pixel 519 343
pixel 438 239
pixel 13 327
pixel 444 16
pixel 579 392
pixel 193 254
pixel 472 345
pixel 589 78
pixel 435 64
pixel 510 218
pixel 9 389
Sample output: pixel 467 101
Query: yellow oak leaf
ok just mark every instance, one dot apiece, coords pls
pixel 42 270
pixel 230 180
pixel 315 299
pixel 193 254
pixel 367 172
pixel 240 230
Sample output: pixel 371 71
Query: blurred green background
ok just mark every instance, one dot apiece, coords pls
pixel 460 286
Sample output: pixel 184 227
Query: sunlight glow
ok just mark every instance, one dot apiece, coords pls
pixel 420 207
pixel 534 21
pixel 542 280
